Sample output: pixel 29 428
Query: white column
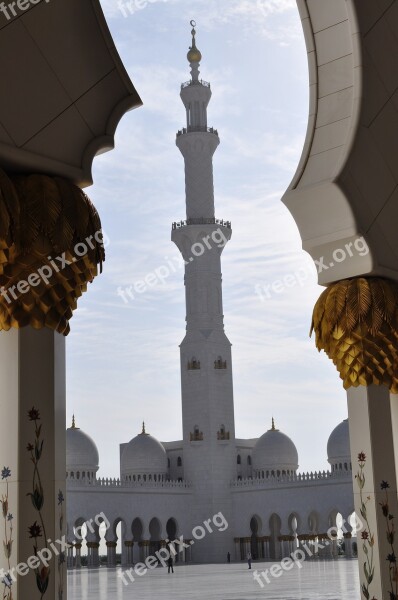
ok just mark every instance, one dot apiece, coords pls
pixel 188 555
pixel 144 544
pixel 373 419
pixel 237 548
pixel 266 547
pixel 93 555
pixel 111 553
pixel 70 557
pixel 136 552
pixel 323 541
pixel 348 545
pixel 78 548
pixel 32 375
pixel 127 553
pixel 292 545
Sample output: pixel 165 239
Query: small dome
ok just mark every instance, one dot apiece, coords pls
pixel 275 451
pixel 81 451
pixel 143 455
pixel 339 444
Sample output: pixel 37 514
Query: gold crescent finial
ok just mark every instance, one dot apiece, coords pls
pixel 73 422
pixel 273 424
pixel 143 427
pixel 194 55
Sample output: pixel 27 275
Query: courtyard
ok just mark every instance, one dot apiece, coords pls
pixel 329 580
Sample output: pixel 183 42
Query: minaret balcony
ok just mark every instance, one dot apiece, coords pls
pixel 197 128
pixel 201 221
pixel 198 82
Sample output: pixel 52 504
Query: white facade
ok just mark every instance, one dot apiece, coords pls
pixel 167 489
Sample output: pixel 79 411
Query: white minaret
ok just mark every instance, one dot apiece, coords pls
pixel 206 364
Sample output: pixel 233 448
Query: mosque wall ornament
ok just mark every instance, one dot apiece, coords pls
pixel 37 531
pixel 61 558
pixel 8 535
pixel 367 537
pixel 50 248
pixel 356 324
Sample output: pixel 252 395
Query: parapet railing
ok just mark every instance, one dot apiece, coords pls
pixel 118 483
pixel 193 129
pixel 191 82
pixel 202 221
pixel 273 480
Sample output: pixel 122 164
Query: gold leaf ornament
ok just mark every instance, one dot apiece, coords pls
pixel 42 219
pixel 356 324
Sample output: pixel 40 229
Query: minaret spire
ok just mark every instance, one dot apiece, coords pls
pixel 194 55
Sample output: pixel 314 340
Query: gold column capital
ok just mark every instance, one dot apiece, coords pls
pixel 356 324
pixel 50 248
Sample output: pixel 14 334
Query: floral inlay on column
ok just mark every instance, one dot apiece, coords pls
pixel 391 557
pixel 37 531
pixel 367 537
pixel 61 557
pixel 7 541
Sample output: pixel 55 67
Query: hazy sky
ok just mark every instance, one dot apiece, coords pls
pixel 123 359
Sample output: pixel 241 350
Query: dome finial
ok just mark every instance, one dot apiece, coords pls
pixel 73 421
pixel 273 428
pixel 143 427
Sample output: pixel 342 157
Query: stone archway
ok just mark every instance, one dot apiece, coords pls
pixel 137 529
pixel 155 535
pixel 275 525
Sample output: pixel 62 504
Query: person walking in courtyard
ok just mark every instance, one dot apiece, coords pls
pixel 228 557
pixel 249 559
pixel 170 564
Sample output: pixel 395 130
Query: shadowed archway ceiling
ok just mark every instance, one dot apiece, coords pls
pixel 64 87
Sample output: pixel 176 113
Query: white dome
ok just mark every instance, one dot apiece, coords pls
pixel 274 451
pixel 143 455
pixel 81 451
pixel 339 444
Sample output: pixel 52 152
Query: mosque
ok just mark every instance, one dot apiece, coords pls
pixel 167 489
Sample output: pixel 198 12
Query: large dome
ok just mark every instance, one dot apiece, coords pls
pixel 339 445
pixel 81 452
pixel 143 455
pixel 274 454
